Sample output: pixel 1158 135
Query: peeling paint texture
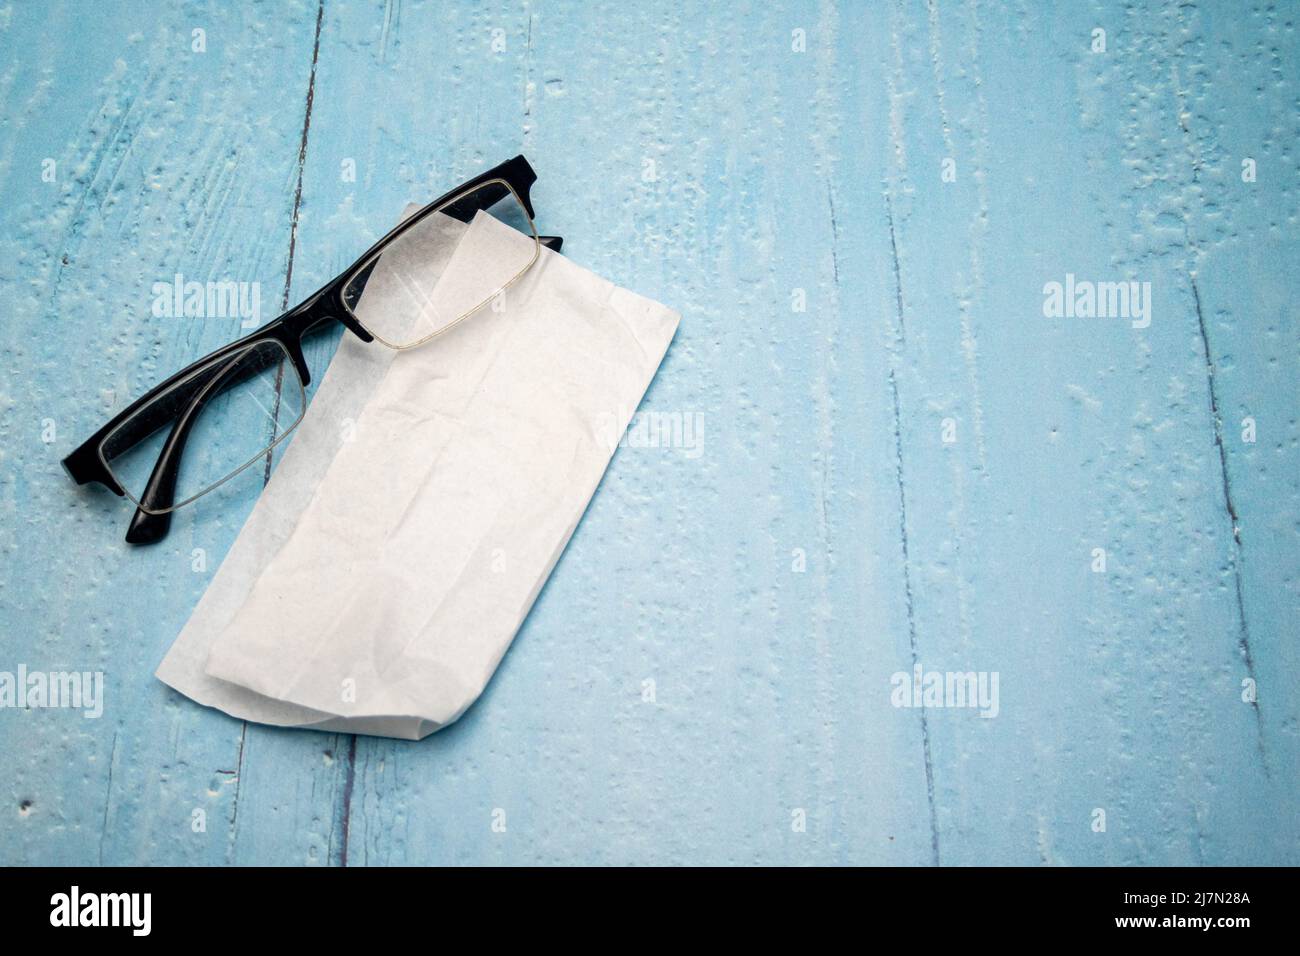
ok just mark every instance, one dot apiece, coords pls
pixel 896 460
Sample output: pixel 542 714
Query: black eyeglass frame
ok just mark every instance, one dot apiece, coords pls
pixel 87 463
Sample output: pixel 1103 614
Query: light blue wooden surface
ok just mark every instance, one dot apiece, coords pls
pixel 689 152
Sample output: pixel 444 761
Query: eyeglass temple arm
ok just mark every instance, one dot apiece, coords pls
pixel 160 491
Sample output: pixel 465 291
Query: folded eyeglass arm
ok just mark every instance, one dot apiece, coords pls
pixel 160 492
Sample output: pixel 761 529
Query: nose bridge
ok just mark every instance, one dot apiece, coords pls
pixel 316 311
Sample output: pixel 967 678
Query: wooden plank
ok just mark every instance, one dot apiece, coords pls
pixel 167 161
pixel 711 664
pixel 1120 690
pixel 1242 242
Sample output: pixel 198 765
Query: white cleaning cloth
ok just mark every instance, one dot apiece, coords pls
pixel 422 503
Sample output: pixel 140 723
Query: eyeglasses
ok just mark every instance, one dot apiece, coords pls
pixel 224 413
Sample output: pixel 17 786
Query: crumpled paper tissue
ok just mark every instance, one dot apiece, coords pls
pixel 422 503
